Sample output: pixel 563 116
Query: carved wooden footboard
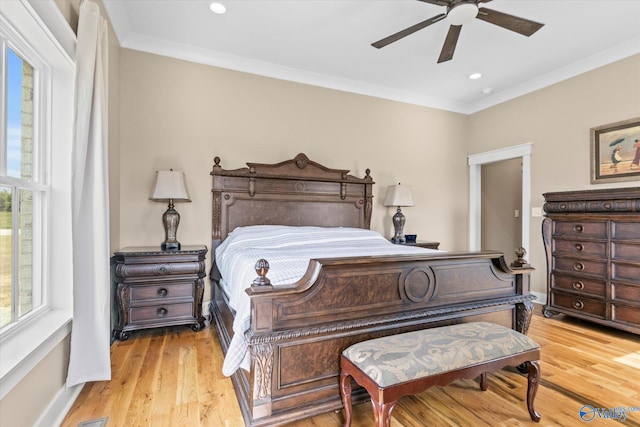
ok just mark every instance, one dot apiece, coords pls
pixel 298 332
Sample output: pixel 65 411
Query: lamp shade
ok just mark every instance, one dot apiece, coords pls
pixel 398 195
pixel 170 185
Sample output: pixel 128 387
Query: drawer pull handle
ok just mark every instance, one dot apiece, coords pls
pixel 578 228
pixel 579 247
pixel 578 285
pixel 163 292
pixel 578 266
pixel 162 312
pixel 578 305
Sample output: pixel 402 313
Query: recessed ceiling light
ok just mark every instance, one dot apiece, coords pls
pixel 217 8
pixel 487 91
pixel 475 76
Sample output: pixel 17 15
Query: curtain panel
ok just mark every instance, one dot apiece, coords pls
pixel 90 337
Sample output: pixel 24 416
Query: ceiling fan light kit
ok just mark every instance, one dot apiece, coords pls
pixel 460 12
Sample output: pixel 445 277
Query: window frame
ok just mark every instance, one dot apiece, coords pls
pixel 38 25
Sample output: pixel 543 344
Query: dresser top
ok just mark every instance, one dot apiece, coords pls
pixel 600 194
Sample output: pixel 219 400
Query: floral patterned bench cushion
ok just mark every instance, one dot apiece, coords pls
pixel 399 358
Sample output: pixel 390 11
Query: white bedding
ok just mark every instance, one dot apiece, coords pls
pixel 288 251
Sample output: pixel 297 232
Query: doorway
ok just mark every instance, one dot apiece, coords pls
pixel 476 161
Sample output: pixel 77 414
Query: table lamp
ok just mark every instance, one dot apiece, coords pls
pixel 170 186
pixel 398 195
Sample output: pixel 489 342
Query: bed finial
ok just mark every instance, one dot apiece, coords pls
pixel 301 161
pixel 262 268
pixel 216 161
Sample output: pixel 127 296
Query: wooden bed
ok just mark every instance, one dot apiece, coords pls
pixel 298 331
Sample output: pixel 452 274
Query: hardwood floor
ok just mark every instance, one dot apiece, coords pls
pixel 172 377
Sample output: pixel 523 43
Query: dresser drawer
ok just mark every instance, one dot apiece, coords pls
pixel 578 284
pixel 164 312
pixel 580 229
pixel 626 292
pixel 160 292
pixel 577 265
pixel 625 271
pixel 625 313
pixel 575 247
pixel 627 251
pixel 625 230
pixel 578 304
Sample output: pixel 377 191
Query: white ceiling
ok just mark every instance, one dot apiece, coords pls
pixel 328 43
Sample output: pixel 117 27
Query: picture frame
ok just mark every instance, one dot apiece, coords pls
pixel 615 152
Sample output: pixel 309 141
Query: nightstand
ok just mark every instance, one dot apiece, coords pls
pixel 159 288
pixel 423 244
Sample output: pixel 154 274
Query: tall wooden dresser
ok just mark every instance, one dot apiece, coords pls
pixel 592 244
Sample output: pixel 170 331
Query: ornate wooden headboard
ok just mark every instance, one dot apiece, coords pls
pixel 294 192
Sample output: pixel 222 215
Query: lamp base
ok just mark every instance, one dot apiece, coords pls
pixel 170 246
pixel 170 219
pixel 398 225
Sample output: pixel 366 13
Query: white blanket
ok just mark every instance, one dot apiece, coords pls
pixel 288 251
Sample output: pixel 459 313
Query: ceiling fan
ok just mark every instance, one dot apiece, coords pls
pixel 460 12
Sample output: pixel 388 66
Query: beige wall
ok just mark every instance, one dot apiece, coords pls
pixel 180 115
pixel 557 120
pixel 176 114
pixel 25 403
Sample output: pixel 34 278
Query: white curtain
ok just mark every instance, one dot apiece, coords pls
pixel 90 336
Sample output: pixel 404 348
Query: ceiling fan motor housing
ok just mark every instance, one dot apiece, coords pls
pixel 460 13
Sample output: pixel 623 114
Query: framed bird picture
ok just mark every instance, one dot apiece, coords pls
pixel 615 152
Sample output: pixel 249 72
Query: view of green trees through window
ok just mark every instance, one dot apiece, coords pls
pixel 16 198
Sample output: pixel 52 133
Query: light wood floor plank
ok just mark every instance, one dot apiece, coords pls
pixel 172 377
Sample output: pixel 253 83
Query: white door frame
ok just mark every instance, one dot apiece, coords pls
pixel 475 190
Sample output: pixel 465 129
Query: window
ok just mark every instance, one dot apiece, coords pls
pixel 21 195
pixel 22 190
pixel 36 133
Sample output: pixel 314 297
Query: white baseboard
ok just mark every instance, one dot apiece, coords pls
pixel 540 298
pixel 205 312
pixel 54 414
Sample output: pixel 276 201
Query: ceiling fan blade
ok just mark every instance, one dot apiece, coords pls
pixel 439 2
pixel 407 31
pixel 450 43
pixel 510 22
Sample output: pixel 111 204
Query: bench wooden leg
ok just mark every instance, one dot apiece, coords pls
pixel 382 413
pixel 533 367
pixel 483 381
pixel 345 391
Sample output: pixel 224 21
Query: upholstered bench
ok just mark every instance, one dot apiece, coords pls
pixel 398 365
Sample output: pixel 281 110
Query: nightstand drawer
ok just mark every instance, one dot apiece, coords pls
pixel 160 292
pixel 158 269
pixel 165 312
pixel 579 304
